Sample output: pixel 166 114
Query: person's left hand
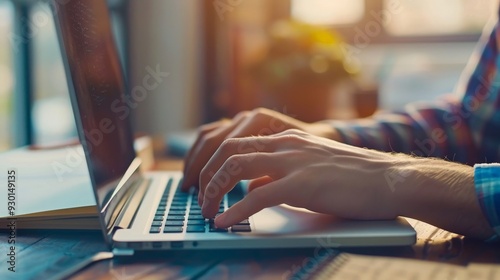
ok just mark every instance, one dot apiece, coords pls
pixel 301 170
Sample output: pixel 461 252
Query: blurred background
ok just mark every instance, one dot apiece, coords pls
pixel 311 59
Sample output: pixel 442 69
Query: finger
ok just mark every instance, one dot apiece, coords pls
pixel 259 182
pixel 204 150
pixel 231 147
pixel 266 196
pixel 202 131
pixel 235 169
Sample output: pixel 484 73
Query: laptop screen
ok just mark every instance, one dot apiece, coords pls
pixel 97 90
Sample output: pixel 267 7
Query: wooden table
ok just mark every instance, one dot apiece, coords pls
pixel 42 253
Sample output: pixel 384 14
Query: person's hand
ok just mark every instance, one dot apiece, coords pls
pixel 300 170
pixel 322 175
pixel 249 123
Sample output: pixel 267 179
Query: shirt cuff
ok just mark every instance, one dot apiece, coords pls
pixel 487 184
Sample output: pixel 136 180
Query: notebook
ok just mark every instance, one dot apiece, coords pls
pixel 146 210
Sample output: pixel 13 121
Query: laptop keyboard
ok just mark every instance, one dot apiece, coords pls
pixel 184 213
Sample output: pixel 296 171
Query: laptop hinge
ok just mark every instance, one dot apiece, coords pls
pixel 112 211
pixel 131 207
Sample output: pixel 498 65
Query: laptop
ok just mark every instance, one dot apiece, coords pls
pixel 147 211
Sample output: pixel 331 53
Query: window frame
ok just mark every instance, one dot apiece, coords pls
pixel 22 128
pixel 23 97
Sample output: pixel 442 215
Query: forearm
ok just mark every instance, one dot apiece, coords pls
pixel 443 194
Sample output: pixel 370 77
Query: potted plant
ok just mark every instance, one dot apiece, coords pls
pixel 300 67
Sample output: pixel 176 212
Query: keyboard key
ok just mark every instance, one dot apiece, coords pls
pixel 235 195
pixel 183 204
pixel 158 218
pixel 213 228
pixel 195 228
pixel 179 193
pixel 169 183
pixel 195 212
pixel 170 229
pixel 174 223
pixel 216 229
pixel 156 224
pixel 196 217
pixel 175 218
pixel 159 213
pixel 163 203
pixel 161 208
pixel 176 213
pixel 178 208
pixel 241 228
pixel 244 222
pixel 154 230
pixel 196 222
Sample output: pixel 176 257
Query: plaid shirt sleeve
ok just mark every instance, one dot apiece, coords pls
pixel 487 181
pixel 465 129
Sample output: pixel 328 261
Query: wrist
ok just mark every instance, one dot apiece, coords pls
pixel 443 194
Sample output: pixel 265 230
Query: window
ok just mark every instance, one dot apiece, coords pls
pixel 412 49
pixel 438 17
pixel 40 112
pixel 6 75
pixel 400 20
pixel 53 119
pixel 328 12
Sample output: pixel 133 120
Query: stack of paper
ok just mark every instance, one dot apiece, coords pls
pixel 51 188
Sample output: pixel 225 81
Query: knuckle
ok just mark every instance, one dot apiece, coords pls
pixel 232 161
pixel 292 140
pixel 293 131
pixel 242 114
pixel 208 139
pixel 204 129
pixel 229 143
pixel 260 113
pixel 212 192
pixel 293 135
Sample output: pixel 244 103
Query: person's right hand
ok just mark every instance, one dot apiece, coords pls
pixel 248 123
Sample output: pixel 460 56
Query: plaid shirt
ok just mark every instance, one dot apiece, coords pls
pixel 465 128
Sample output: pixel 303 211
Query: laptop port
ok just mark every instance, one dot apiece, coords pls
pixel 135 245
pixel 176 244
